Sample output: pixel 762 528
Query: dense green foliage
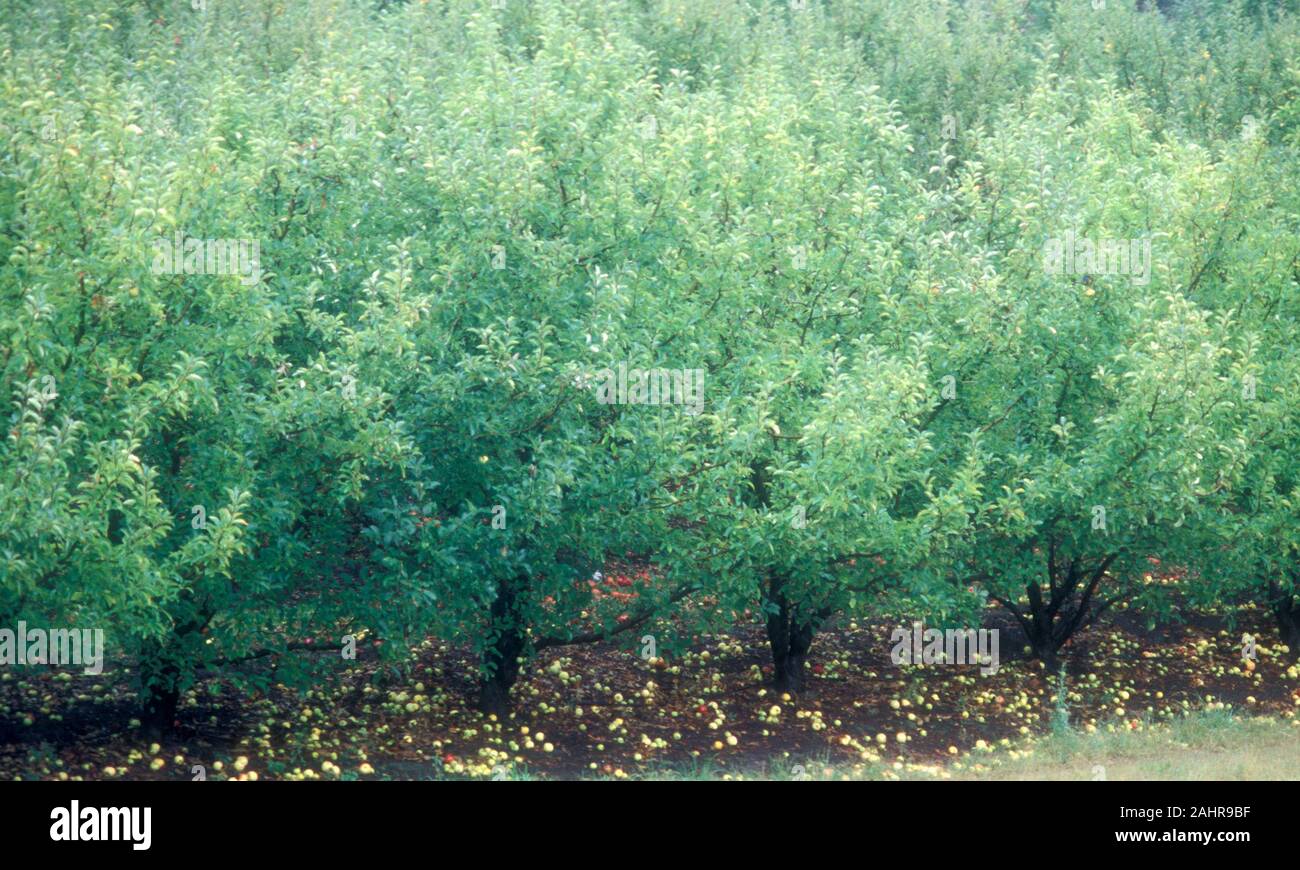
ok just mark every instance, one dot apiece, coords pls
pixel 384 419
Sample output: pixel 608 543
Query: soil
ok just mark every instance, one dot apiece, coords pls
pixel 603 711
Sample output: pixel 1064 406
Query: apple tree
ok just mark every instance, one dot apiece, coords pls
pixel 1107 401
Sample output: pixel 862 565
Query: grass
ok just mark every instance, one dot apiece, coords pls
pixel 1213 745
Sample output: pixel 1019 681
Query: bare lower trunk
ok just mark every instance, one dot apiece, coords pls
pixel 1286 610
pixel 1047 654
pixel 494 695
pixel 1044 640
pixel 1071 604
pixel 160 696
pixel 501 658
pixel 790 638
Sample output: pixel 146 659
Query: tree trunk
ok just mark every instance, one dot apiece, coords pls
pixel 163 663
pixel 160 695
pixel 494 694
pixel 1287 612
pixel 1042 638
pixel 501 658
pixel 790 639
pixel 1050 621
pixel 1046 653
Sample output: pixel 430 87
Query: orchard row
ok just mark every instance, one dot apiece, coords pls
pixel 407 394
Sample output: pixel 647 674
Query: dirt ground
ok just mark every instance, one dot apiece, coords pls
pixel 602 711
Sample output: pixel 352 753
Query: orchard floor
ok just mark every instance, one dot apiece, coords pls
pixel 602 712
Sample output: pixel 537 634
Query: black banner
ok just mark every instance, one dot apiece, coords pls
pixel 138 821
